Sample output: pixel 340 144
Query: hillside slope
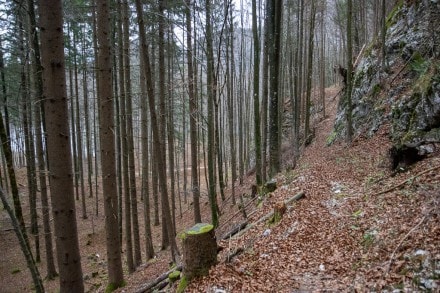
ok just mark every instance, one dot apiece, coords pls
pixel 358 227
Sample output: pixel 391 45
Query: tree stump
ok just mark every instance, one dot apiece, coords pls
pixel 279 210
pixel 199 250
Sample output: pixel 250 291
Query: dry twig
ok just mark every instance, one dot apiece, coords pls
pixel 407 180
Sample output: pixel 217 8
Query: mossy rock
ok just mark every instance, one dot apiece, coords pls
pixel 270 186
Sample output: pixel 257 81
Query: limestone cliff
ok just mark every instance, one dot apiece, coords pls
pixel 404 94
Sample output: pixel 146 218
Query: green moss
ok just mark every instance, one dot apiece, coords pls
pixel 371 47
pixel 199 228
pixel 418 63
pixel 182 285
pixel 428 74
pixel 15 271
pixel 275 219
pixel 331 138
pixel 376 90
pixel 174 276
pixel 112 287
pixel 391 18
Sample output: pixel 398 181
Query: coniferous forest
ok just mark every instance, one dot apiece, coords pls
pixel 219 146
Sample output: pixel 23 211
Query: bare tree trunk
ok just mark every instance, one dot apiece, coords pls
pixel 170 132
pixel 79 145
pixel 161 160
pixel 193 112
pixel 275 14
pixel 211 84
pixel 149 249
pixel 130 143
pixel 256 96
pixel 230 74
pixel 27 82
pixel 107 139
pixel 39 104
pixel 349 71
pixel 58 146
pixel 265 91
pixel 124 140
pixel 309 69
pixel 156 136
pixel 298 80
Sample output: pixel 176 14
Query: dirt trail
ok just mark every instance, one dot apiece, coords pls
pixel 340 236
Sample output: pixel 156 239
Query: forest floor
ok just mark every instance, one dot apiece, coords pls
pixel 359 227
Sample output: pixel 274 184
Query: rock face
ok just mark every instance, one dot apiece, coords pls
pixel 406 93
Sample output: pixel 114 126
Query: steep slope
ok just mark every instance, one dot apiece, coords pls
pixel 356 228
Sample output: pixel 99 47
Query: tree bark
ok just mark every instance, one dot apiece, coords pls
pixel 275 54
pixel 58 146
pixel 193 118
pixel 256 95
pixel 349 72
pixel 107 143
pixel 155 129
pixel 210 80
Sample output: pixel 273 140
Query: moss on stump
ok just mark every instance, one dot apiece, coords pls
pixel 199 250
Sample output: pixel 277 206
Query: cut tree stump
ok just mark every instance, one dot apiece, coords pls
pixel 296 197
pixel 199 250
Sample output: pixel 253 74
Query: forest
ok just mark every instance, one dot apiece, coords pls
pixel 219 146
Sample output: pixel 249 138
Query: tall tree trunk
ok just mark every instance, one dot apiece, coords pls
pixel 322 60
pixel 79 144
pixel 193 112
pixel 230 75
pixel 130 143
pixel 309 69
pixel 27 84
pixel 4 93
pixel 265 91
pixel 124 140
pixel 349 71
pixel 298 80
pixel 107 142
pixel 87 124
pixel 170 132
pixel 5 138
pixel 256 95
pixel 211 124
pixel 161 161
pixel 149 249
pixel 155 128
pixel 96 113
pixel 40 150
pixel 58 146
pixel 275 155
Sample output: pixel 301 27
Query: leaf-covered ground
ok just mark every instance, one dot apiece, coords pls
pixel 347 233
pixel 357 228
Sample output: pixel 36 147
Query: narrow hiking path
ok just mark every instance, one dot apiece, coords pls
pixel 342 235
